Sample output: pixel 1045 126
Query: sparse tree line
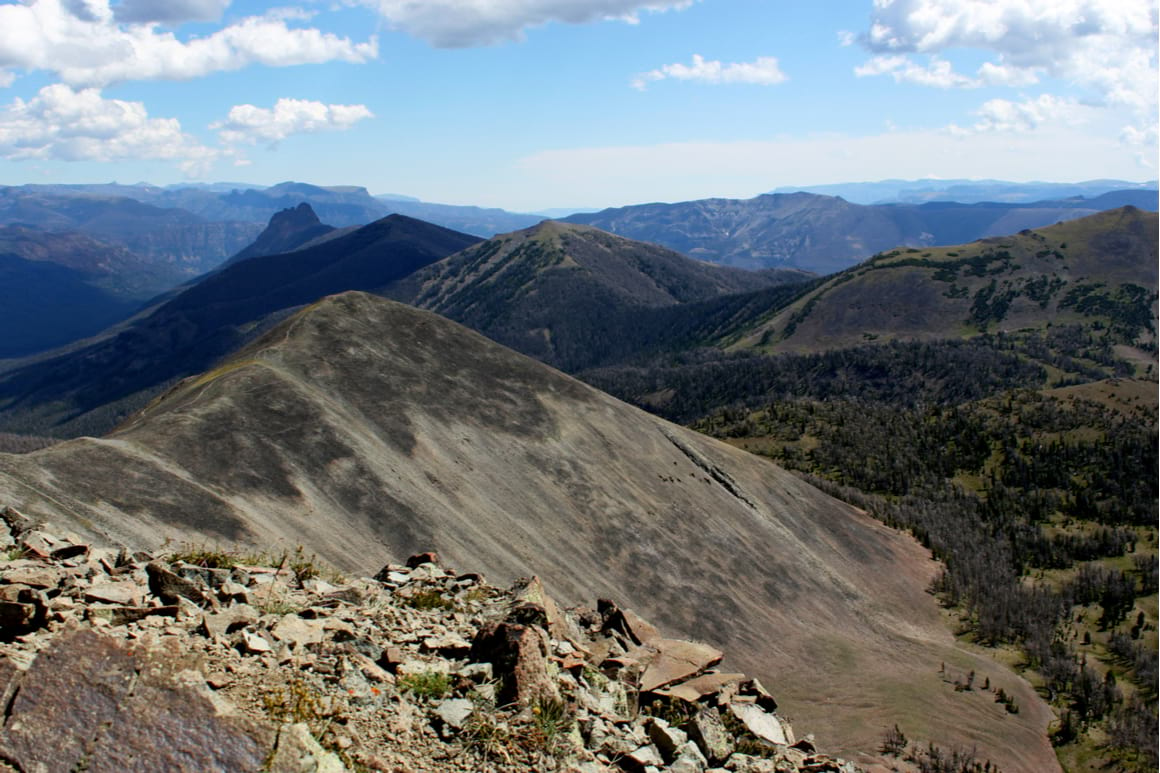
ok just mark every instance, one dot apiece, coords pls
pixel 949 441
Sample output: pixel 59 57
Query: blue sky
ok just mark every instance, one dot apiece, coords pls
pixel 529 104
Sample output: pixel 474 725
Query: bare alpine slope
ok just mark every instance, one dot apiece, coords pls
pixel 365 430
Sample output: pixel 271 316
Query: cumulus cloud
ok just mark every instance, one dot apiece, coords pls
pixel 169 11
pixel 1002 115
pixel 94 49
pixel 762 71
pixel 463 23
pixel 247 124
pixel 1107 45
pixel 1106 48
pixel 938 73
pixel 64 124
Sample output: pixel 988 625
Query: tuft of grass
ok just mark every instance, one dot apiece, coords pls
pixel 208 558
pixel 430 599
pixel 304 567
pixel 552 720
pixel 487 734
pixel 426 684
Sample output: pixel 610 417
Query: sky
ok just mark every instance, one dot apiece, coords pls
pixel 531 104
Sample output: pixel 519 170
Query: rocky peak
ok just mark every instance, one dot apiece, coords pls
pixel 288 229
pixel 204 659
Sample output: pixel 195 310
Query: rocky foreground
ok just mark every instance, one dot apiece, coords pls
pixel 204 660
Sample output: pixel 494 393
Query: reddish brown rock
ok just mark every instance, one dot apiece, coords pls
pixel 519 654
pixel 673 660
pixel 108 707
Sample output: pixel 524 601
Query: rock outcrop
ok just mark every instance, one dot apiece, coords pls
pixel 202 660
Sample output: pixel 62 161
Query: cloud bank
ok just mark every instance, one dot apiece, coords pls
pixel 64 124
pixel 85 44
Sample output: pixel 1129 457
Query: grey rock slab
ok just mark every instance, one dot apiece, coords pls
pixel 256 643
pixel 455 712
pixel 297 631
pixel 689 760
pixel 126 594
pixel 763 725
pixel 34 576
pixel 666 738
pixel 646 755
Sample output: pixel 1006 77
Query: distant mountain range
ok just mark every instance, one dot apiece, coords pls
pixel 824 234
pixel 178 242
pixel 970 191
pixel 340 206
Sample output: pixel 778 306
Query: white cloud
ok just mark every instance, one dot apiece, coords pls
pixel 1001 115
pixel 1105 48
pixel 247 124
pixel 80 125
pixel 7 78
pixel 1000 74
pixel 939 73
pixel 762 71
pixel 463 23
pixel 96 50
pixel 1106 45
pixel 169 11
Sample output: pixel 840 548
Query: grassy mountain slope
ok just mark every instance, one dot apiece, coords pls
pixel 367 430
pixel 1099 270
pixel 572 295
pixel 87 390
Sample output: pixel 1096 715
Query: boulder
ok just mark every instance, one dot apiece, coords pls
pixel 519 654
pixel 108 707
pixel 168 586
pixel 707 730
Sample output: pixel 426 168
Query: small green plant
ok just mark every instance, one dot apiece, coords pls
pixel 487 734
pixel 209 558
pixel 430 599
pixel 304 567
pixel 296 701
pixel 551 724
pixel 426 684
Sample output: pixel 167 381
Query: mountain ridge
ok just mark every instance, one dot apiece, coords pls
pixel 365 428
